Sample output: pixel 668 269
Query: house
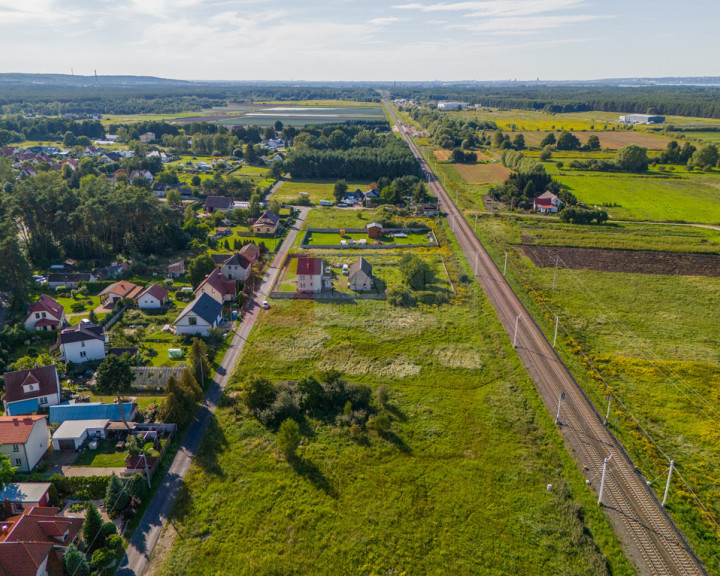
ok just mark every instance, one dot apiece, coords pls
pixel 233 266
pixel 218 287
pixel 91 411
pixel 218 204
pixel 547 203
pixel 24 440
pixel 115 269
pixel 72 434
pixel 199 316
pixel 374 230
pixel 268 223
pixel 310 275
pixel 147 137
pixel 33 544
pixel 360 276
pixel 160 189
pixel 69 280
pixel 353 197
pixel 372 194
pixel 28 390
pixel 141 174
pixel 123 289
pixel 152 298
pixel 45 314
pixel 251 252
pixel 427 210
pixel 82 343
pixel 176 268
pixel 20 496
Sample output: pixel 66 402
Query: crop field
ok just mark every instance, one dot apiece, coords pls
pixel 635 197
pixel 315 189
pixel 608 139
pixel 482 173
pixel 651 340
pixel 458 486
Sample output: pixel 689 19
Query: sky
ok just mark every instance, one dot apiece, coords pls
pixel 341 40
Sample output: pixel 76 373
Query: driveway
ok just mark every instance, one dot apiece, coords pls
pixel 141 546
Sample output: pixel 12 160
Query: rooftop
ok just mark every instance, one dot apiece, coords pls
pixel 71 429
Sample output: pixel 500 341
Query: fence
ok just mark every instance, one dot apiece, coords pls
pixel 305 246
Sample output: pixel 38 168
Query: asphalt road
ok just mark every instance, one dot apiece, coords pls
pixel 139 552
pixel 649 536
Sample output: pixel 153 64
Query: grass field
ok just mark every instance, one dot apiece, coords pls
pixel 315 189
pixel 652 340
pixel 608 139
pixel 335 239
pixel 457 487
pixel 482 173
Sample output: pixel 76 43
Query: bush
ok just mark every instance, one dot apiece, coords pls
pixel 430 298
pixel 401 297
pixel 288 438
pixel 80 487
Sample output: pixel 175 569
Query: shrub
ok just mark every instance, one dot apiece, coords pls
pixel 401 297
pixel 288 438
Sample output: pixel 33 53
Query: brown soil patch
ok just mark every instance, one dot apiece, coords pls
pixel 482 157
pixel 608 139
pixel 442 155
pixel 633 261
pixel 482 173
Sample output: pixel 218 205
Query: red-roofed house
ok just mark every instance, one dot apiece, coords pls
pixel 310 276
pixel 547 203
pixel 118 291
pixel 251 252
pixel 153 297
pixel 45 314
pixel 217 286
pixel 41 383
pixel 24 439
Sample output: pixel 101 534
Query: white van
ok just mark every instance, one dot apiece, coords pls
pixel 346 270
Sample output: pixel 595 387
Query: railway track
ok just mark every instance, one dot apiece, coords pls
pixel 650 537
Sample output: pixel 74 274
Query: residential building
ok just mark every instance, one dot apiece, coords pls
pixel 45 314
pixel 72 434
pixel 218 204
pixel 374 230
pixel 147 137
pixel 233 266
pixel 24 440
pixel 160 189
pixel 218 287
pixel 81 343
pixel 446 105
pixel 146 174
pixel 69 280
pixel 176 268
pixel 547 203
pixel 360 276
pixel 26 391
pixel 91 411
pixel 251 252
pixel 123 289
pixel 198 317
pixel 23 495
pixel 268 223
pixel 152 298
pixel 427 210
pixel 310 275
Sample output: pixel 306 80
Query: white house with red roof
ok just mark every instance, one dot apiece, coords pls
pixel 547 203
pixel 152 298
pixel 217 286
pixel 28 390
pixel 118 291
pixel 310 275
pixel 45 314
pixel 33 544
pixel 24 440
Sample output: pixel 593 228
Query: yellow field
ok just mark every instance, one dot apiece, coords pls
pixel 482 173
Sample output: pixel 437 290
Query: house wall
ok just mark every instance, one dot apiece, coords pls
pixel 235 272
pixel 210 291
pixel 309 283
pixel 264 229
pixel 149 302
pixel 202 327
pixel 30 453
pixel 93 349
pixel 360 281
pixel 33 319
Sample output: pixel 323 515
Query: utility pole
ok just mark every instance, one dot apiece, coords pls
pixel 456 199
pixel 602 480
pixel 475 224
pixel 517 321
pixel 608 397
pixel 667 486
pixel 557 322
pixel 505 267
pixel 557 259
pixel 560 401
pixel 477 255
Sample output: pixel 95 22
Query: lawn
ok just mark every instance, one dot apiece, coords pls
pixel 335 239
pixel 316 190
pixel 457 487
pixel 143 401
pixel 652 341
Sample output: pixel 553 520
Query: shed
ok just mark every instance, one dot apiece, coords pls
pixel 374 230
pixel 72 433
pixel 23 495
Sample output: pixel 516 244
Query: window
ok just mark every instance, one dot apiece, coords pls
pixel 82 344
pixel 37 314
pixel 43 400
pixel 44 315
pixel 192 320
pixel 83 354
pixel 18 462
pixel 16 448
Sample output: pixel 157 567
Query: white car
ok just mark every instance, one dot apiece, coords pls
pixel 265 304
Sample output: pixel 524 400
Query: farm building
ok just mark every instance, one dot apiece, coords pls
pixel 218 204
pixel 374 230
pixel 69 280
pixel 642 119
pixel 360 275
pixel 28 390
pixel 45 314
pixel 72 434
pixel 152 298
pixel 91 411
pixel 155 377
pixel 24 440
pixel 268 223
pixel 23 495
pixel 547 203
pixel 310 275
pixel 198 317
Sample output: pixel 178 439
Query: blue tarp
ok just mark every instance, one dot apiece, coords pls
pixel 23 407
pixel 89 411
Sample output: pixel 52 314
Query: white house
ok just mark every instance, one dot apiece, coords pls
pixel 218 287
pixel 81 343
pixel 547 203
pixel 310 277
pixel 233 266
pixel 45 314
pixel 199 316
pixel 71 434
pixel 152 298
pixel 24 440
pixel 28 390
pixel 360 276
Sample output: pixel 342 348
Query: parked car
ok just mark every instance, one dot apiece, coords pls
pixel 265 304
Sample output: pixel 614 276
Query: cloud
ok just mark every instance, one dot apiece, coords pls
pixel 386 20
pixel 526 24
pixel 495 7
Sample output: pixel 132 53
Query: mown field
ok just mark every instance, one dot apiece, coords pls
pixel 608 139
pixel 652 341
pixel 315 190
pixel 457 487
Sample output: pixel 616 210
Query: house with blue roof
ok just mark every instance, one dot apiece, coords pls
pixel 91 411
pixel 199 316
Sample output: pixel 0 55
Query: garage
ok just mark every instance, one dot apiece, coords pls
pixel 72 434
